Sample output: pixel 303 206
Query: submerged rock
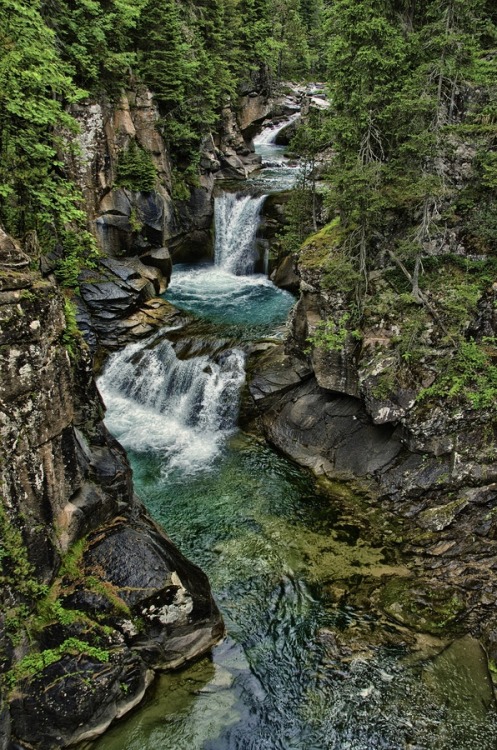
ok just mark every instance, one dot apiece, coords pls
pixel 459 677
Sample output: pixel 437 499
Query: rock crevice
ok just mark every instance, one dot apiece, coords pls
pixel 84 569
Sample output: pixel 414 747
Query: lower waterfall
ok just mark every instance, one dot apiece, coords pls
pixel 183 409
pixel 186 409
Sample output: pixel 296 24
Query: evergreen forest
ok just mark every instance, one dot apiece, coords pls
pixel 313 406
pixel 410 84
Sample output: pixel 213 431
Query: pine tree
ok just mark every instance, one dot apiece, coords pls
pixel 290 33
pixel 34 86
pixel 95 39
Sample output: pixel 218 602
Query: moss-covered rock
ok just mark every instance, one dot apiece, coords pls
pixel 73 664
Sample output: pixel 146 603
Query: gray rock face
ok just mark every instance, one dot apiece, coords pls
pixel 189 235
pixel 326 431
pixel 285 276
pixel 67 494
pixel 121 303
pixel 335 369
pixel 132 223
pixel 127 223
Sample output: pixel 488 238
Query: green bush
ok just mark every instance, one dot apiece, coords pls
pixel 470 376
pixel 333 336
pixel 71 338
pixel 80 252
pixel 135 170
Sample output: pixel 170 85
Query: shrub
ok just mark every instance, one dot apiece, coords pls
pixel 135 170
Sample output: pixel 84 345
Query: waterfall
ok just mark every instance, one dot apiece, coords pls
pixel 268 135
pixel 236 221
pixel 184 409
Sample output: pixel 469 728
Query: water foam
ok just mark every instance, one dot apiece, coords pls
pixel 268 135
pixel 236 218
pixel 184 409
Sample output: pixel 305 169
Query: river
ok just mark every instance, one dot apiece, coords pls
pixel 303 666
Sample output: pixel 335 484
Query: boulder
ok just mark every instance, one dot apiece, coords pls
pixel 168 593
pixel 76 699
pixel 159 258
pixel 285 276
pixel 326 431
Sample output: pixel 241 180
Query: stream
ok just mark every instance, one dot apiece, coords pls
pixel 303 667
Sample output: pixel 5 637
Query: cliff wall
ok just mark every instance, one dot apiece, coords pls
pixel 95 597
pixel 389 402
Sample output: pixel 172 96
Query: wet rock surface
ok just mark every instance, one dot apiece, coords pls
pixel 326 431
pixel 460 675
pixel 77 698
pixel 103 593
pixel 433 472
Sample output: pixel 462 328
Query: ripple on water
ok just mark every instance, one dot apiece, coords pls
pixel 220 296
pixel 263 531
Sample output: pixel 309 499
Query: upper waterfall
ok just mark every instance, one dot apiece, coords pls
pixel 268 135
pixel 236 222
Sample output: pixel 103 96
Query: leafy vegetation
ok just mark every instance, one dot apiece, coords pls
pixel 411 174
pixel 16 572
pixel 469 375
pixel 35 84
pixel 79 251
pixel 135 169
pixel 33 664
pixel 54 53
pixel 333 336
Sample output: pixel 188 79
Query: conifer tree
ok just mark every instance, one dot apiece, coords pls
pixel 34 86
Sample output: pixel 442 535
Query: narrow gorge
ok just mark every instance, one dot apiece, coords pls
pixel 248 375
pixel 305 571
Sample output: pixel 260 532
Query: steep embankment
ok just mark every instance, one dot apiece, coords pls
pixel 396 400
pixel 94 595
pixel 143 216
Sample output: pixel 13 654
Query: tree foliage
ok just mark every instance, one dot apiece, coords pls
pixel 411 86
pixel 34 87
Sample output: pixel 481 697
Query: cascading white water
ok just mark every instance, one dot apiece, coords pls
pixel 268 135
pixel 236 222
pixel 184 409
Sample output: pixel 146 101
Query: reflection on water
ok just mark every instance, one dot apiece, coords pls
pixel 298 670
pixel 309 663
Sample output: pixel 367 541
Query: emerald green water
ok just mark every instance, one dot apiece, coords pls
pixel 274 546
pixel 308 663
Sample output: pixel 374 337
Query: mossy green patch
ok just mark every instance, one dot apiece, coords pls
pixel 421 606
pixel 441 516
pixel 316 249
